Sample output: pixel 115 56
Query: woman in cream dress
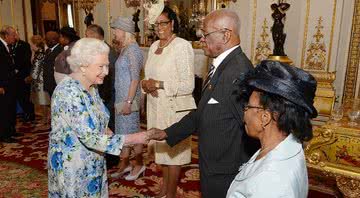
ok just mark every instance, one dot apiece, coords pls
pixel 169 83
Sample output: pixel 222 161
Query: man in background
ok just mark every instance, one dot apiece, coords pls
pixel 54 49
pixel 7 85
pixel 21 54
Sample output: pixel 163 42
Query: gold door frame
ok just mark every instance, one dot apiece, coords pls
pixel 352 67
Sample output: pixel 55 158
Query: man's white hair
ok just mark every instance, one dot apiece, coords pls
pixel 84 51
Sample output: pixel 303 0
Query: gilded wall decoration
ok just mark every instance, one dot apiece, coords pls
pixel 316 53
pixel 263 50
pixel 330 19
pixel 253 30
pixel 353 57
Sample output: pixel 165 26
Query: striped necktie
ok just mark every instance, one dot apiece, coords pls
pixel 208 78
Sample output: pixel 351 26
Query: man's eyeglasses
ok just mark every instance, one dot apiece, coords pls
pixel 247 107
pixel 161 24
pixel 208 34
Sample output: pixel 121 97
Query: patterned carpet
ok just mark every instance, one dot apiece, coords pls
pixel 23 170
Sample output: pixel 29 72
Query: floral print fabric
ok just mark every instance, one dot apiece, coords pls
pixel 77 142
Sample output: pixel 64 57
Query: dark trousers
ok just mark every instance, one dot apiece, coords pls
pixel 8 111
pixel 23 91
pixel 215 186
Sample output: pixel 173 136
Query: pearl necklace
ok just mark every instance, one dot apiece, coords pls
pixel 167 42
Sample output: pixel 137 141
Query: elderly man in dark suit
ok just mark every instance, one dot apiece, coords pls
pixel 218 118
pixel 54 49
pixel 7 85
pixel 22 57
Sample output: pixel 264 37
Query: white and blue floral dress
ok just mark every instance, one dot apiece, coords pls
pixel 77 142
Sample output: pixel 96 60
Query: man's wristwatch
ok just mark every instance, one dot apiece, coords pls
pixel 129 101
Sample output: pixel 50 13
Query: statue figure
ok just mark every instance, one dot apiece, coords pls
pixel 136 18
pixel 278 28
pixel 89 17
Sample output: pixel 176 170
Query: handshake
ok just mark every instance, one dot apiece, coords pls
pixel 155 134
pixel 145 136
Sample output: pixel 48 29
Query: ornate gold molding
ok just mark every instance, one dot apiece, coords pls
pixel 353 57
pixel 304 49
pixel 332 34
pixel 333 151
pixel 349 187
pixel 305 32
pixel 263 50
pixel 12 13
pixel 253 30
pixel 316 53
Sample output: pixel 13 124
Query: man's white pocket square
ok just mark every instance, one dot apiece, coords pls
pixel 213 101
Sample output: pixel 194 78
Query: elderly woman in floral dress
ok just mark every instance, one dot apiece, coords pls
pixel 80 137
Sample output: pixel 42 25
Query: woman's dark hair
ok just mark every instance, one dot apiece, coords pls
pixel 69 33
pixel 172 16
pixel 290 118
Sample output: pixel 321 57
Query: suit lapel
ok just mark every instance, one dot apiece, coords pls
pixel 206 93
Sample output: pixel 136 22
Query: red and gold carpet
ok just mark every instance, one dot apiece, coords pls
pixel 23 170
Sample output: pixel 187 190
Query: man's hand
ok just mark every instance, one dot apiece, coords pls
pixel 156 134
pixel 2 91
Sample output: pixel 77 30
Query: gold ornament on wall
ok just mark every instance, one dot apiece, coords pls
pixel 316 53
pixel 84 4
pixel 263 50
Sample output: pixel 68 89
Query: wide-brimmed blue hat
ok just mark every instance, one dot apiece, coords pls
pixel 289 82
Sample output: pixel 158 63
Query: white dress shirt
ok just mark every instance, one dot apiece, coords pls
pixel 219 59
pixel 280 173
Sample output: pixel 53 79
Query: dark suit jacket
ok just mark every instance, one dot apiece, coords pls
pixel 220 126
pixel 7 66
pixel 22 58
pixel 48 72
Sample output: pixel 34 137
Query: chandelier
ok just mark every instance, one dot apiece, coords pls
pixel 84 4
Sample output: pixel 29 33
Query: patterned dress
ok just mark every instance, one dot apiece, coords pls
pixel 127 68
pixel 77 143
pixel 38 95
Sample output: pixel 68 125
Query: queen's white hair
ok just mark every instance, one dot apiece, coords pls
pixel 84 51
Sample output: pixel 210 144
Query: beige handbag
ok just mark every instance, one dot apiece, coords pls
pixel 134 106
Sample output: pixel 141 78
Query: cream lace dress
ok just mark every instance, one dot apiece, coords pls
pixel 175 66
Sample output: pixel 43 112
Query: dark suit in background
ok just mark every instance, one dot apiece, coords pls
pixel 22 56
pixel 7 100
pixel 107 90
pixel 220 127
pixel 48 65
